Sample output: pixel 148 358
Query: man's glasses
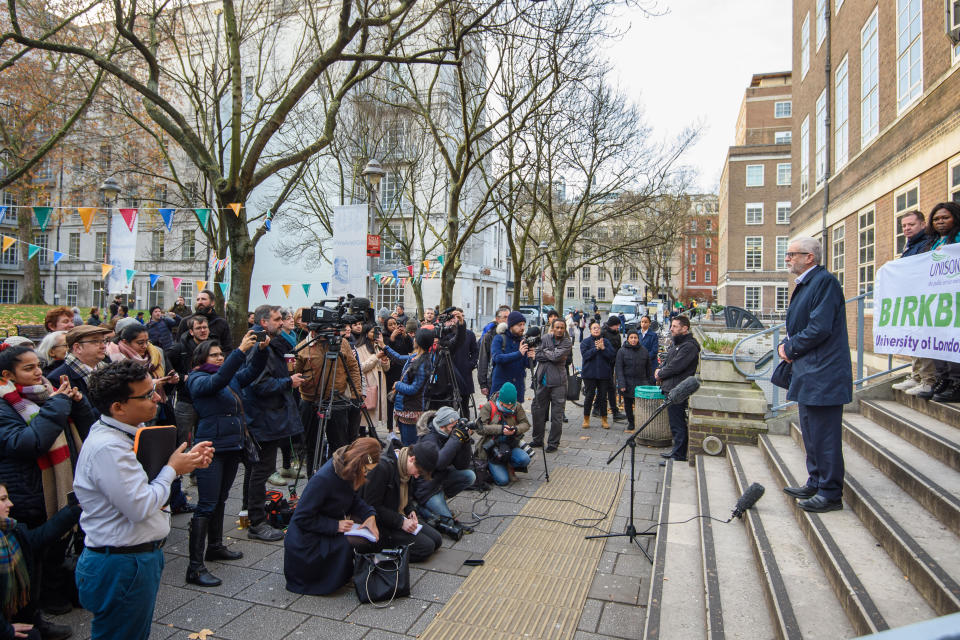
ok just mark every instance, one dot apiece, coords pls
pixel 146 396
pixel 793 254
pixel 91 342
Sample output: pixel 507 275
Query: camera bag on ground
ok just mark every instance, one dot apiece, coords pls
pixel 382 576
pixel 279 509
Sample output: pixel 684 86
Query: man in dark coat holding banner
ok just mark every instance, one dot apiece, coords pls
pixel 822 381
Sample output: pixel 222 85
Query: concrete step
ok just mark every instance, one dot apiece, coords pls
pixel 942 411
pixel 932 483
pixel 676 602
pixel 731 577
pixel 848 553
pixel 921 546
pixel 940 440
pixel 801 602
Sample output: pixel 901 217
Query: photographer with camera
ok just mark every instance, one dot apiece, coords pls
pixel 409 391
pixel 484 364
pixel 443 385
pixel 464 362
pixel 448 434
pixel 501 422
pixel 389 490
pixel 272 416
pixel 551 378
pixel 511 355
pixel 397 339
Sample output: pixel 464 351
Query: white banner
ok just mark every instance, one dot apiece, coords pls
pixel 123 254
pixel 916 305
pixel 349 251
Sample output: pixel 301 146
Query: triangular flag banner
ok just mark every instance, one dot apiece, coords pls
pixel 176 283
pixel 32 250
pixel 167 215
pixel 224 287
pixel 105 269
pixel 440 260
pixel 403 282
pixel 395 274
pixel 86 217
pixel 3 213
pixel 377 277
pixel 8 242
pixel 324 285
pixel 267 224
pixel 154 278
pixel 203 216
pixel 130 217
pixel 306 289
pixel 57 257
pixel 236 208
pixel 286 289
pixel 266 291
pixel 130 274
pixel 43 216
pixel 426 265
pixel 388 279
pixel 410 269
pixel 201 284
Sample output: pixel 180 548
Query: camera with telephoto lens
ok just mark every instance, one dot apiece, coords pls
pixel 524 446
pixel 532 338
pixel 447 527
pixel 463 428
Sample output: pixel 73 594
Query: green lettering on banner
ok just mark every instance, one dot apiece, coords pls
pixel 896 311
pixel 885 311
pixel 944 310
pixel 909 307
pixel 925 317
pixel 956 315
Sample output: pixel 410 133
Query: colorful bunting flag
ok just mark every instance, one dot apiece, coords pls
pixel 267 224
pixel 224 287
pixel 154 278
pixel 286 289
pixel 32 250
pixel 43 216
pixel 440 260
pixel 130 274
pixel 306 289
pixel 86 217
pixel 167 215
pixel 57 257
pixel 3 213
pixel 176 283
pixel 377 277
pixel 426 265
pixel 201 285
pixel 8 242
pixel 394 274
pixel 130 217
pixel 410 269
pixel 236 208
pixel 105 269
pixel 266 291
pixel 324 285
pixel 203 216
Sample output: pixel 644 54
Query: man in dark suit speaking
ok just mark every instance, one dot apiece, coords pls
pixel 822 380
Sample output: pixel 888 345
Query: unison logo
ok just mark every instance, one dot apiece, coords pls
pixel 942 266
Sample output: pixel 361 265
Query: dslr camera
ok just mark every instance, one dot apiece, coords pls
pixel 326 318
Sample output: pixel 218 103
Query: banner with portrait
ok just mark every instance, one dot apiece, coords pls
pixel 123 253
pixel 349 251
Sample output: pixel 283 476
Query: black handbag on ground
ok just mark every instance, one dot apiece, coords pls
pixel 574 384
pixel 382 576
pixel 782 374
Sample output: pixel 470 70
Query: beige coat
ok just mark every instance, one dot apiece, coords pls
pixel 372 369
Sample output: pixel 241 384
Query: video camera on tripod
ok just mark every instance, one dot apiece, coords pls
pixel 327 317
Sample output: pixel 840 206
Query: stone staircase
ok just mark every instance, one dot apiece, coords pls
pixel 890 560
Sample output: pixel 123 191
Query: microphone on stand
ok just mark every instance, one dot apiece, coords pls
pixel 682 391
pixel 749 498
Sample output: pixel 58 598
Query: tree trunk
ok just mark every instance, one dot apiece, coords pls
pixel 418 295
pixel 241 272
pixel 31 268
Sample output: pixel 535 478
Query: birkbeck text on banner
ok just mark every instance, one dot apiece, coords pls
pixel 916 305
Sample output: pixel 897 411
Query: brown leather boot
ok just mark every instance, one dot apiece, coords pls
pixel 604 423
pixel 586 422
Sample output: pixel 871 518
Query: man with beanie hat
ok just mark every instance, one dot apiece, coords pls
pixel 452 472
pixel 502 422
pixel 510 355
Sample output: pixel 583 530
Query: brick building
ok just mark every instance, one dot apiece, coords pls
pixel 878 129
pixel 699 251
pixel 755 199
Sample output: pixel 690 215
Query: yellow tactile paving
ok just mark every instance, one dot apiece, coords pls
pixel 535 578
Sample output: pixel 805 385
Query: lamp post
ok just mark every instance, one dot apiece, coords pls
pixel 543 248
pixel 110 191
pixel 372 174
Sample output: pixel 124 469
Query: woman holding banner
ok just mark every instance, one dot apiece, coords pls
pixel 945 223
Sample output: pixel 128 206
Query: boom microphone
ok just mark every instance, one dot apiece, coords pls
pixel 680 393
pixel 747 500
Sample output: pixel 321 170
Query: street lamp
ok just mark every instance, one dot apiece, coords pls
pixel 371 174
pixel 110 191
pixel 543 255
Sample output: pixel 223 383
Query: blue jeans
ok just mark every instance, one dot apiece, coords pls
pixel 455 481
pixel 120 590
pixel 214 482
pixel 408 433
pixel 518 458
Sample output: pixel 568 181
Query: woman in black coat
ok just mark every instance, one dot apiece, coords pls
pixel 395 337
pixel 598 359
pixel 633 370
pixel 318 557
pixel 390 484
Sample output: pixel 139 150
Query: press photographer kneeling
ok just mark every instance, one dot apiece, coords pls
pixel 441 429
pixel 388 491
pixel 501 422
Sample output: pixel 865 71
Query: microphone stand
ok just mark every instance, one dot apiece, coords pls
pixel 631 530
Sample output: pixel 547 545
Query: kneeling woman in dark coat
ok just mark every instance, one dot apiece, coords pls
pixel 388 491
pixel 318 558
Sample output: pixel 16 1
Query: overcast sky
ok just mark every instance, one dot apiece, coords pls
pixel 692 66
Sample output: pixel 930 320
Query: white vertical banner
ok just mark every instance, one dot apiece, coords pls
pixel 349 251
pixel 123 254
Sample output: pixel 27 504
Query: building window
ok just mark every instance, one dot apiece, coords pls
pixel 754 252
pixel 73 246
pixel 909 52
pixel 805 157
pixel 42 240
pixel 821 22
pixel 754 213
pixel 783 109
pixel 693 257
pixel 821 142
pixel 188 244
pixel 601 292
pixel 839 4
pixel 707 258
pixel 585 293
pixel 783 298
pixel 783 213
pixel 248 87
pixel 836 262
pixel 709 225
pixel 393 233
pixel 903 201
pixel 8 292
pixel 693 226
pixel 783 137
pixel 100 247
pixel 97 294
pixel 571 292
pixel 10 257
pixel 805 46
pixel 155 295
pixel 635 273
pixel 693 275
pixel 105 158
pixel 693 243
pixel 618 271
pixel 953 181
pixel 157 245
pixel 186 290
pixel 73 289
pixel 869 81
pixel 708 243
pixel 754 175
pixel 752 297
pixel 784 176
pixel 865 246
pixel 585 273
pixel 390 296
pixel 782 242
pixel 390 190
pixel 706 276
pixel 841 116
pixel 601 274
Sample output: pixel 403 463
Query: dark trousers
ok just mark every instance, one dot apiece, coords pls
pixel 678 427
pixel 338 429
pixel 214 482
pixel 257 487
pixel 311 429
pixel 548 400
pixel 947 370
pixel 822 430
pixel 612 394
pixel 422 545
pixel 120 590
pixel 628 408
pixel 595 389
pixel 354 416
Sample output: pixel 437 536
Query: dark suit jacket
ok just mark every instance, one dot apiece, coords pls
pixel 817 342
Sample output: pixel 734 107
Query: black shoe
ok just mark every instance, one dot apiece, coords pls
pixel 263 531
pixel 51 631
pixel 819 504
pixel 186 507
pixel 802 493
pixel 619 416
pixel 56 607
pixel 536 445
pixel 938 388
pixel 951 394
pixel 221 552
pixel 216 550
pixel 550 449
pixel 565 419
pixel 666 455
pixel 197 573
pixel 466 528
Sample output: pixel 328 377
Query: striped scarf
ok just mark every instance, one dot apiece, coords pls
pixel 81 369
pixel 14 575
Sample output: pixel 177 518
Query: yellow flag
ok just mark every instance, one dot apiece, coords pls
pixel 426 265
pixel 105 269
pixel 236 206
pixel 8 242
pixel 86 216
pixel 286 289
pixel 201 285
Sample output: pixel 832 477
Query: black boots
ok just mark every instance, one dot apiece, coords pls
pixel 197 573
pixel 216 550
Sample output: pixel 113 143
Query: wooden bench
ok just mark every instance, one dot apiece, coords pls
pixel 33 331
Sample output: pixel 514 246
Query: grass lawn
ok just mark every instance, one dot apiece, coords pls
pixel 14 314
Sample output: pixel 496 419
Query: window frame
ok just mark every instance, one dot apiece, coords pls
pixel 9 291
pixel 72 298
pixel 780 169
pixel 805 158
pixel 898 212
pixel 805 46
pixel 820 142
pixel 781 302
pixel 759 292
pixel 870 98
pixel 953 188
pixel 756 207
pixel 838 250
pixel 841 131
pixel 777 137
pixel 781 257
pixel 783 112
pixel 746 175
pixel 864 265
pixel 789 208
pixel 821 22
pixel 747 250
pixel 915 90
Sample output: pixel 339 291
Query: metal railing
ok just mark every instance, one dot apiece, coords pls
pixel 773 358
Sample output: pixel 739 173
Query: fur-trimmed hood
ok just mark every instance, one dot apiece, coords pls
pixel 424 422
